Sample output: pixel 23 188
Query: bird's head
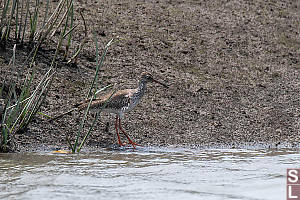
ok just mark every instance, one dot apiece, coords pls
pixel 149 78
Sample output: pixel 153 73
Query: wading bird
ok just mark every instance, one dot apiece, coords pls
pixel 121 102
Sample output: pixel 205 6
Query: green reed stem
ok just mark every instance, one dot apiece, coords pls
pixel 99 64
pixel 26 20
pixel 21 21
pixel 7 32
pixel 3 19
pixel 94 121
pixel 82 42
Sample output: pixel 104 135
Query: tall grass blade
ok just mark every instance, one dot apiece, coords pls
pixel 82 123
pixel 2 87
pixel 62 19
pixel 7 32
pixel 25 23
pixel 94 121
pixel 3 18
pixel 5 129
pixel 21 21
pixel 71 15
pixel 17 20
pixel 33 22
pixel 99 64
pixel 43 33
pixel 46 13
pixel 61 38
pixel 82 42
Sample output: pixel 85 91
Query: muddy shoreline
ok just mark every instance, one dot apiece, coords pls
pixel 232 70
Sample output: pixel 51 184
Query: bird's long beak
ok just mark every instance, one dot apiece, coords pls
pixel 160 83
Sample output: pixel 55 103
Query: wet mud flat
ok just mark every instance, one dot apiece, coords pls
pixel 232 69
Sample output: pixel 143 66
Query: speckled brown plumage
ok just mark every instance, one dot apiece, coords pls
pixel 119 100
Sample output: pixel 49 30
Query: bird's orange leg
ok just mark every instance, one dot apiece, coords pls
pixel 116 126
pixel 130 141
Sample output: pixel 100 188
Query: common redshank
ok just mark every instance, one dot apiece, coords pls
pixel 121 102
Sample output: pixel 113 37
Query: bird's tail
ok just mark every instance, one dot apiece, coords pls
pixel 63 114
pixel 78 106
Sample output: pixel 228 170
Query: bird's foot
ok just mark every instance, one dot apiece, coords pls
pixel 120 143
pixel 133 144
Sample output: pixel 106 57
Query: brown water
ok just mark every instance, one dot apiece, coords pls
pixel 148 173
